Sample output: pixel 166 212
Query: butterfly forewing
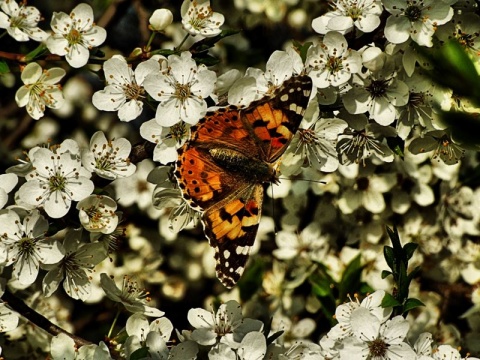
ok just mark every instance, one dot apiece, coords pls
pixel 221 170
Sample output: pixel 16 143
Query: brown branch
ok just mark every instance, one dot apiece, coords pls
pixel 38 319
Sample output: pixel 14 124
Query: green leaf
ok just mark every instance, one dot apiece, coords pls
pixel 389 257
pixel 138 354
pixel 386 273
pixel 205 59
pixel 397 145
pixel 412 303
pixel 409 249
pixel 389 301
pixel 207 43
pixel 351 277
pixel 251 280
pixel 302 48
pixel 4 67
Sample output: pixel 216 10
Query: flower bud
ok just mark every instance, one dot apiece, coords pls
pixel 160 19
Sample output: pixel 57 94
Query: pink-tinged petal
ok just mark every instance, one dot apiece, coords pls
pixel 130 110
pixel 77 56
pixel 109 99
pixel 57 44
pixel 31 73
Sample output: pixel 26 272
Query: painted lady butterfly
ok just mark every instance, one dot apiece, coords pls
pixel 221 170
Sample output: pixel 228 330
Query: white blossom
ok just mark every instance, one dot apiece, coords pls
pixel 198 18
pixel 40 90
pixel 55 180
pixel 97 214
pixel 160 19
pixel 21 22
pixel 75 34
pixel 124 91
pixel 108 158
pixel 181 90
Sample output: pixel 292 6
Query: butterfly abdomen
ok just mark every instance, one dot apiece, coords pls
pixel 250 168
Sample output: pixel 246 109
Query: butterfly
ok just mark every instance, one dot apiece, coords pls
pixel 222 169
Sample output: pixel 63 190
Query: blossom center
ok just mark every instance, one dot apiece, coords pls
pixel 182 91
pixel 178 132
pixel 74 37
pixel 308 136
pixel 413 13
pixel 26 246
pixel 57 182
pixel 377 88
pixel 378 348
pixel 133 91
pixel 362 183
pixel 416 99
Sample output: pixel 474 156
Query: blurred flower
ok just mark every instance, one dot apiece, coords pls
pixel 331 62
pixel 75 268
pixel 21 21
pixel 364 15
pixel 40 89
pixel 97 214
pixel 7 183
pixel 55 180
pixel 275 10
pixel 418 20
pixel 63 348
pixel 108 158
pixel 75 34
pixel 25 245
pixel 160 19
pixel 8 318
pixel 124 91
pixel 167 139
pixel 130 295
pixel 181 90
pixel 198 18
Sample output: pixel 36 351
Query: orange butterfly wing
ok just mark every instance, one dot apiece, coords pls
pixel 221 170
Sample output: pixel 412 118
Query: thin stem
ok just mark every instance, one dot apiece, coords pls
pixel 152 36
pixel 183 41
pixel 113 324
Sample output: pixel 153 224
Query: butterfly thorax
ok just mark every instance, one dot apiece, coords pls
pixel 252 169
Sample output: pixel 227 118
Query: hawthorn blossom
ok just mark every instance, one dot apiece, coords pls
pixel 124 91
pixel 63 347
pixel 97 214
pixel 55 180
pixel 130 295
pixel 25 245
pixel 108 158
pixel 181 90
pixel 21 22
pixel 75 34
pixel 198 18
pixel 331 62
pixel 7 183
pixel 440 143
pixel 75 268
pixel 167 139
pixel 8 318
pixel 226 326
pixel 376 340
pixel 363 14
pixel 416 19
pixel 40 89
pixel 380 94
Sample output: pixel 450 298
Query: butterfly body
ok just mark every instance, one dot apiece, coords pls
pixel 222 168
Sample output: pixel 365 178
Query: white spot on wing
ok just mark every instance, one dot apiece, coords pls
pixel 242 250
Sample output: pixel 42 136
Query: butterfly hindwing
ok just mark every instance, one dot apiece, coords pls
pixel 221 170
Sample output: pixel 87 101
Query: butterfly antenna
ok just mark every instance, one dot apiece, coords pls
pixel 313 181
